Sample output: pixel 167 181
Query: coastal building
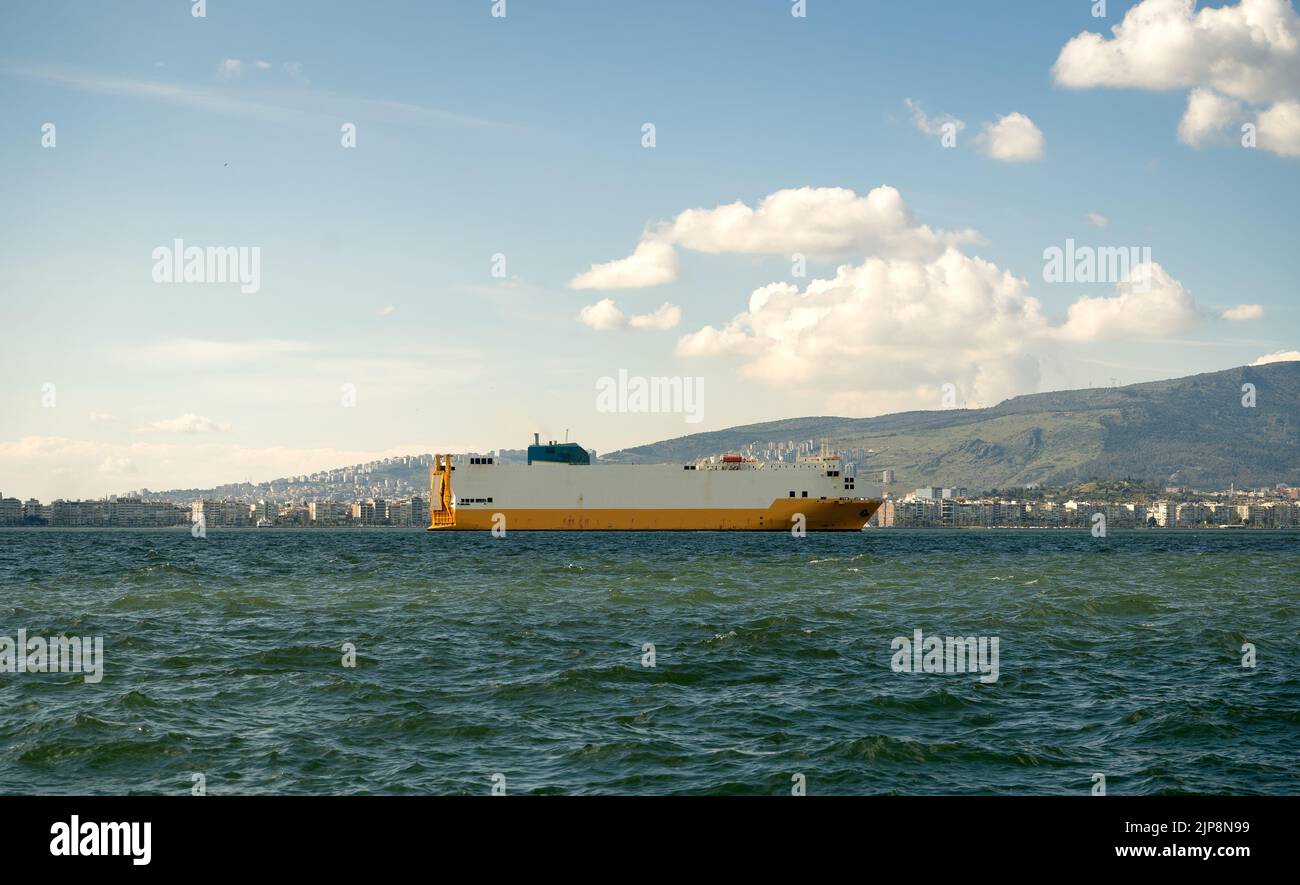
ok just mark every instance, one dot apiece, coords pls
pixel 126 513
pixel 34 512
pixel 11 511
pixel 326 513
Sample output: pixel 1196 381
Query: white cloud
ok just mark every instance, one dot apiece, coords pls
pixel 652 264
pixel 666 317
pixel 813 220
pixel 1208 116
pixel 229 68
pixel 187 423
pixel 892 331
pixel 605 316
pixel 1242 312
pixel 385 311
pixel 101 418
pixel 262 65
pixel 876 327
pixel 932 125
pixel 1097 220
pixel 1282 356
pixel 1248 52
pixel 816 221
pixel 1151 304
pixel 1279 129
pixel 1012 139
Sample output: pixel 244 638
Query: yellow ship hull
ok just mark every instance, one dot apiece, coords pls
pixel 833 515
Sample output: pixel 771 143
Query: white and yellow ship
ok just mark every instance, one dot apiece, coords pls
pixel 559 489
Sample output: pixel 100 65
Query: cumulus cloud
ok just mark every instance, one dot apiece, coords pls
pixel 229 68
pixel 1150 304
pixel 1279 129
pixel 894 330
pixel 932 125
pixel 652 264
pixel 813 220
pixel 605 315
pixel 1097 220
pixel 1242 312
pixel 877 327
pixel 914 314
pixel 818 221
pixel 1229 56
pixel 666 317
pixel 187 423
pixel 1012 139
pixel 1282 356
pixel 1207 117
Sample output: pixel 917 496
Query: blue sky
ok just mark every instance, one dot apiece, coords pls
pixel 522 135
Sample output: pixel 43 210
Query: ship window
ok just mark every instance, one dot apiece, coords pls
pixel 792 494
pixel 805 494
pixel 489 500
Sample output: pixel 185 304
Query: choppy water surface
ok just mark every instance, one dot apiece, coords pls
pixel 523 656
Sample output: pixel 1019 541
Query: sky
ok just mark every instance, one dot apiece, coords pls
pixel 830 207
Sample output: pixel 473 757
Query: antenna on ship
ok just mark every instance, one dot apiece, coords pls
pixel 566 434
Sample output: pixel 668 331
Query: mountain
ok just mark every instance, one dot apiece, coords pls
pixel 1192 431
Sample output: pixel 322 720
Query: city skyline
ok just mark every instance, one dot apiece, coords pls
pixel 506 232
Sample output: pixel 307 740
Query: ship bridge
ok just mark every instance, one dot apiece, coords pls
pixel 558 453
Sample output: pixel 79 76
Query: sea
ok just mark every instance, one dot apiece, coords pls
pixel 387 661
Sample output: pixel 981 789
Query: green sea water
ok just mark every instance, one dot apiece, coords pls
pixel 523 661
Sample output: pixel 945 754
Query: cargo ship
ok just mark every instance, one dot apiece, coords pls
pixel 560 489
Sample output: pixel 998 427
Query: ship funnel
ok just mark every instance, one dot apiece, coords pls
pixel 537 439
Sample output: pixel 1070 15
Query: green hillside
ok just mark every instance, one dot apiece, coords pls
pixel 1189 431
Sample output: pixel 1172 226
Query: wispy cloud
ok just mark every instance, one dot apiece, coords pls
pixel 187 423
pixel 932 125
pixel 202 352
pixel 289 105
